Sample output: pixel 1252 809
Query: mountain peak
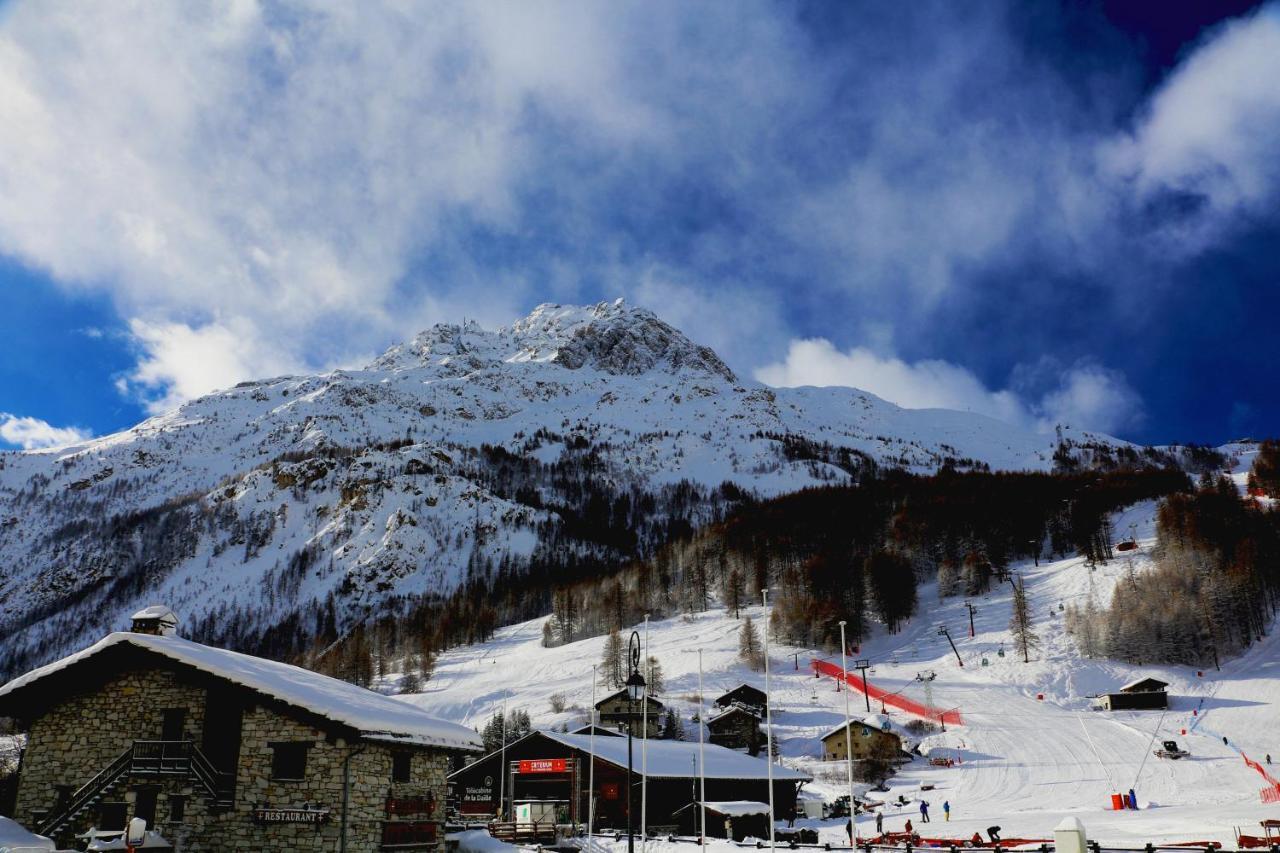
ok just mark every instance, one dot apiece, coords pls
pixel 612 337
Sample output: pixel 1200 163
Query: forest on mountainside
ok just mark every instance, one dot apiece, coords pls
pixel 854 552
pixel 1214 590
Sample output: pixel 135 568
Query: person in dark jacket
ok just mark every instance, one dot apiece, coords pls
pixel 880 822
pixel 848 828
pixel 924 812
pixel 994 832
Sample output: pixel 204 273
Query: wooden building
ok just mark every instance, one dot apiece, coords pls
pixel 746 696
pixel 224 751
pixel 548 773
pixel 1145 694
pixel 734 820
pixel 736 728
pixel 619 713
pixel 866 740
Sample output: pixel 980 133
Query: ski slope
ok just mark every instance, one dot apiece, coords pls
pixel 1024 763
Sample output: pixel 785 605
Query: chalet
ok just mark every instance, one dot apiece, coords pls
pixel 224 751
pixel 619 713
pixel 549 773
pixel 867 739
pixel 1143 694
pixel 598 730
pixel 746 696
pixel 736 728
pixel 736 820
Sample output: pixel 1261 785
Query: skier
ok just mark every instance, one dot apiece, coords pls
pixel 994 832
pixel 848 828
pixel 909 829
pixel 946 810
pixel 976 841
pixel 879 823
pixel 924 812
pixel 1268 758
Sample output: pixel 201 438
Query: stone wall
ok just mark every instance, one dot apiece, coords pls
pixel 73 742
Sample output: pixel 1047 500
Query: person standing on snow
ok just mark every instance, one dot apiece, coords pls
pixel 880 823
pixel 909 828
pixel 924 812
pixel 946 810
pixel 848 828
pixel 994 832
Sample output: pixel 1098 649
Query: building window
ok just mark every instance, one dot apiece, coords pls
pixel 401 766
pixel 177 808
pixel 289 761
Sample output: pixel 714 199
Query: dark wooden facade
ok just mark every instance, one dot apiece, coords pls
pixel 736 728
pixel 476 787
pixel 619 713
pixel 746 696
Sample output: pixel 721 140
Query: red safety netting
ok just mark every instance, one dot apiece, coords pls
pixel 951 717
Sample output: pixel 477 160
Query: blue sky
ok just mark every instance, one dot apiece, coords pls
pixel 1046 212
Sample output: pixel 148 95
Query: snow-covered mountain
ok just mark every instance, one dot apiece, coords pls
pixel 458 451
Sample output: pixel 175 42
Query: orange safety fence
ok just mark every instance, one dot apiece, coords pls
pixel 950 716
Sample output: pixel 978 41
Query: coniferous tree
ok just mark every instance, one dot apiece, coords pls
pixel 1020 624
pixel 750 651
pixel 735 591
pixel 655 683
pixel 613 669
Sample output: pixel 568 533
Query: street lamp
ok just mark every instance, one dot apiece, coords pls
pixel 635 693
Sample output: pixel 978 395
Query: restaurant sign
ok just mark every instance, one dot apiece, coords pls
pixel 303 815
pixel 545 765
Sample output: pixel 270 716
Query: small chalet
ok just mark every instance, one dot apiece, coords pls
pixel 549 773
pixel 224 751
pixel 619 713
pixel 736 728
pixel 1143 694
pixel 866 740
pixel 745 696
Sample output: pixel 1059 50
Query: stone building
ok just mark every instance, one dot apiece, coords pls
pixel 866 741
pixel 619 713
pixel 224 751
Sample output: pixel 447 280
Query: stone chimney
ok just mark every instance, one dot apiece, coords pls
pixel 156 619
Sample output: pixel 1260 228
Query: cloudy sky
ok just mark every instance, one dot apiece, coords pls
pixel 1045 212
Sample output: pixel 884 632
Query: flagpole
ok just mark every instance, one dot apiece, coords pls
pixel 768 712
pixel 644 747
pixel 702 762
pixel 502 785
pixel 591 772
pixel 848 742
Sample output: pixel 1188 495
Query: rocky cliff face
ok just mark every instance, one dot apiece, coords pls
pixel 576 430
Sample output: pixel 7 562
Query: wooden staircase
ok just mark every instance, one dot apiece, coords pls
pixel 144 759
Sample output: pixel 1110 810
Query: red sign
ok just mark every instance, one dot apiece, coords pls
pixel 544 765
pixel 400 806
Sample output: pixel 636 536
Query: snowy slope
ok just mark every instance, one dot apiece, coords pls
pixel 256 502
pixel 1025 763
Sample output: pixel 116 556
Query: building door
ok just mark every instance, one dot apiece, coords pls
pixel 220 741
pixel 144 804
pixel 174 720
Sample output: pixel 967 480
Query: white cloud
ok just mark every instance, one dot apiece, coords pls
pixel 1084 395
pixel 34 434
pixel 1213 128
pixel 180 361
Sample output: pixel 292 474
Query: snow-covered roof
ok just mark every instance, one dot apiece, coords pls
pixel 156 611
pixel 676 759
pixel 732 808
pixel 875 722
pixel 730 711
pixel 372 714
pixel 1145 680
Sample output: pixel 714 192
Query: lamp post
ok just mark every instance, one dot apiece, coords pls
pixel 768 715
pixel 702 773
pixel 635 693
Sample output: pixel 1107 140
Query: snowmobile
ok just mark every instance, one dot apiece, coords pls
pixel 1170 750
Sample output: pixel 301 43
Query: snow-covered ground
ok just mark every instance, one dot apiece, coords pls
pixel 1024 763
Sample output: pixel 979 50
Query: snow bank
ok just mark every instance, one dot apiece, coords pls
pixel 13 836
pixel 479 841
